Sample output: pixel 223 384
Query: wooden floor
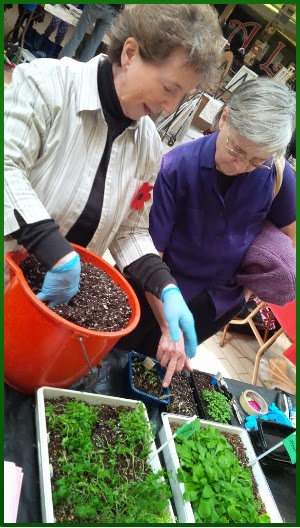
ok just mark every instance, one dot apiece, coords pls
pixel 236 358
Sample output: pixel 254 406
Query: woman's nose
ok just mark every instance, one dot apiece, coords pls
pixel 170 104
pixel 243 165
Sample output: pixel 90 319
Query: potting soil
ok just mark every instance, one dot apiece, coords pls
pixel 99 305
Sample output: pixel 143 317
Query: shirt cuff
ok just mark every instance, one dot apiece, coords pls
pixel 150 273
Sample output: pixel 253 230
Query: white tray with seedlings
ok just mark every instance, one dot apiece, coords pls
pixel 44 396
pixel 184 509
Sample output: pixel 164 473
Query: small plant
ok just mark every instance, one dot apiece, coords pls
pixel 219 488
pixel 146 380
pixel 217 405
pixel 101 472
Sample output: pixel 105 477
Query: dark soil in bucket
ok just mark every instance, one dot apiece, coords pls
pixel 99 305
pixel 100 469
pixel 182 399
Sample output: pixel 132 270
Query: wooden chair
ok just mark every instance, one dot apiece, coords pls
pixel 286 317
pixel 254 326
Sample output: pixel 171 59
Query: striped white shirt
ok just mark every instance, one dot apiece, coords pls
pixel 55 134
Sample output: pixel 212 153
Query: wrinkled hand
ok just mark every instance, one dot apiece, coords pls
pixel 61 283
pixel 179 317
pixel 171 356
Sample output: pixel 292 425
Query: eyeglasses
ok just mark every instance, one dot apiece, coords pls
pixel 266 165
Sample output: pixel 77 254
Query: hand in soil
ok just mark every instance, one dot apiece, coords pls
pixel 171 356
pixel 99 305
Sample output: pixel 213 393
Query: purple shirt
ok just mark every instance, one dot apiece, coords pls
pixel 204 236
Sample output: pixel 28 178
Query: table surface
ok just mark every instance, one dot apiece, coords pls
pixel 20 439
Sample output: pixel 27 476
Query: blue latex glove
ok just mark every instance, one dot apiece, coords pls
pixel 61 283
pixel 273 415
pixel 178 316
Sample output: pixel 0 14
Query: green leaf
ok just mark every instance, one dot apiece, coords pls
pixel 62 493
pixel 207 492
pixel 182 475
pixel 197 473
pixel 264 518
pixel 204 509
pixel 190 496
pixel 234 514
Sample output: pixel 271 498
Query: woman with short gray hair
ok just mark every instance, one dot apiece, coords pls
pixel 272 106
pixel 211 198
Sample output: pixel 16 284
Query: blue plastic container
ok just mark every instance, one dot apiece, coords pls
pixel 145 396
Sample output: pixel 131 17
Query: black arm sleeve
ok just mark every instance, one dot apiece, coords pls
pixel 150 273
pixel 42 239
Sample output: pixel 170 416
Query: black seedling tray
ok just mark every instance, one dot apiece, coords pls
pixel 269 434
pixel 201 404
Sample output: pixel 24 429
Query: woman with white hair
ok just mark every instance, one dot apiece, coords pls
pixel 210 201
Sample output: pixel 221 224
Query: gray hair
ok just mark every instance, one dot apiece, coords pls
pixel 264 111
pixel 161 29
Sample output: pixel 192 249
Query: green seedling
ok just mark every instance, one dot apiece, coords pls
pixel 91 484
pixel 219 488
pixel 219 409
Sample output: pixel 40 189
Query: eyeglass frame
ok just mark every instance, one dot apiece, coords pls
pixel 241 157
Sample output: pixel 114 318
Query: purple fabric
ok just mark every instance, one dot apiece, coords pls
pixel 269 266
pixel 204 237
pixel 61 31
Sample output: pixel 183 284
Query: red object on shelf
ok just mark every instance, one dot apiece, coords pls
pixel 40 347
pixel 286 317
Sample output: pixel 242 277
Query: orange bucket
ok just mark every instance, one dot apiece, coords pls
pixel 40 347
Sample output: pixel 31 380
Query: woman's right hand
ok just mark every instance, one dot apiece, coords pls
pixel 61 282
pixel 179 318
pixel 172 356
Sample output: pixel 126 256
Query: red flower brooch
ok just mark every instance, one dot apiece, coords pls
pixel 142 196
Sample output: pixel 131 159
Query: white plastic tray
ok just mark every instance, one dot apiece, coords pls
pixel 45 393
pixel 183 508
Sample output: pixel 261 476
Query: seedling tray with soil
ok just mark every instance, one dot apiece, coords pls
pixel 212 404
pixel 212 484
pixel 104 461
pixel 146 383
pixel 182 398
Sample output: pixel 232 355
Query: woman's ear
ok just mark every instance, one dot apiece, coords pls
pixel 129 52
pixel 224 117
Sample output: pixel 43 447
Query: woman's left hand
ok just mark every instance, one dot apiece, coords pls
pixel 171 355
